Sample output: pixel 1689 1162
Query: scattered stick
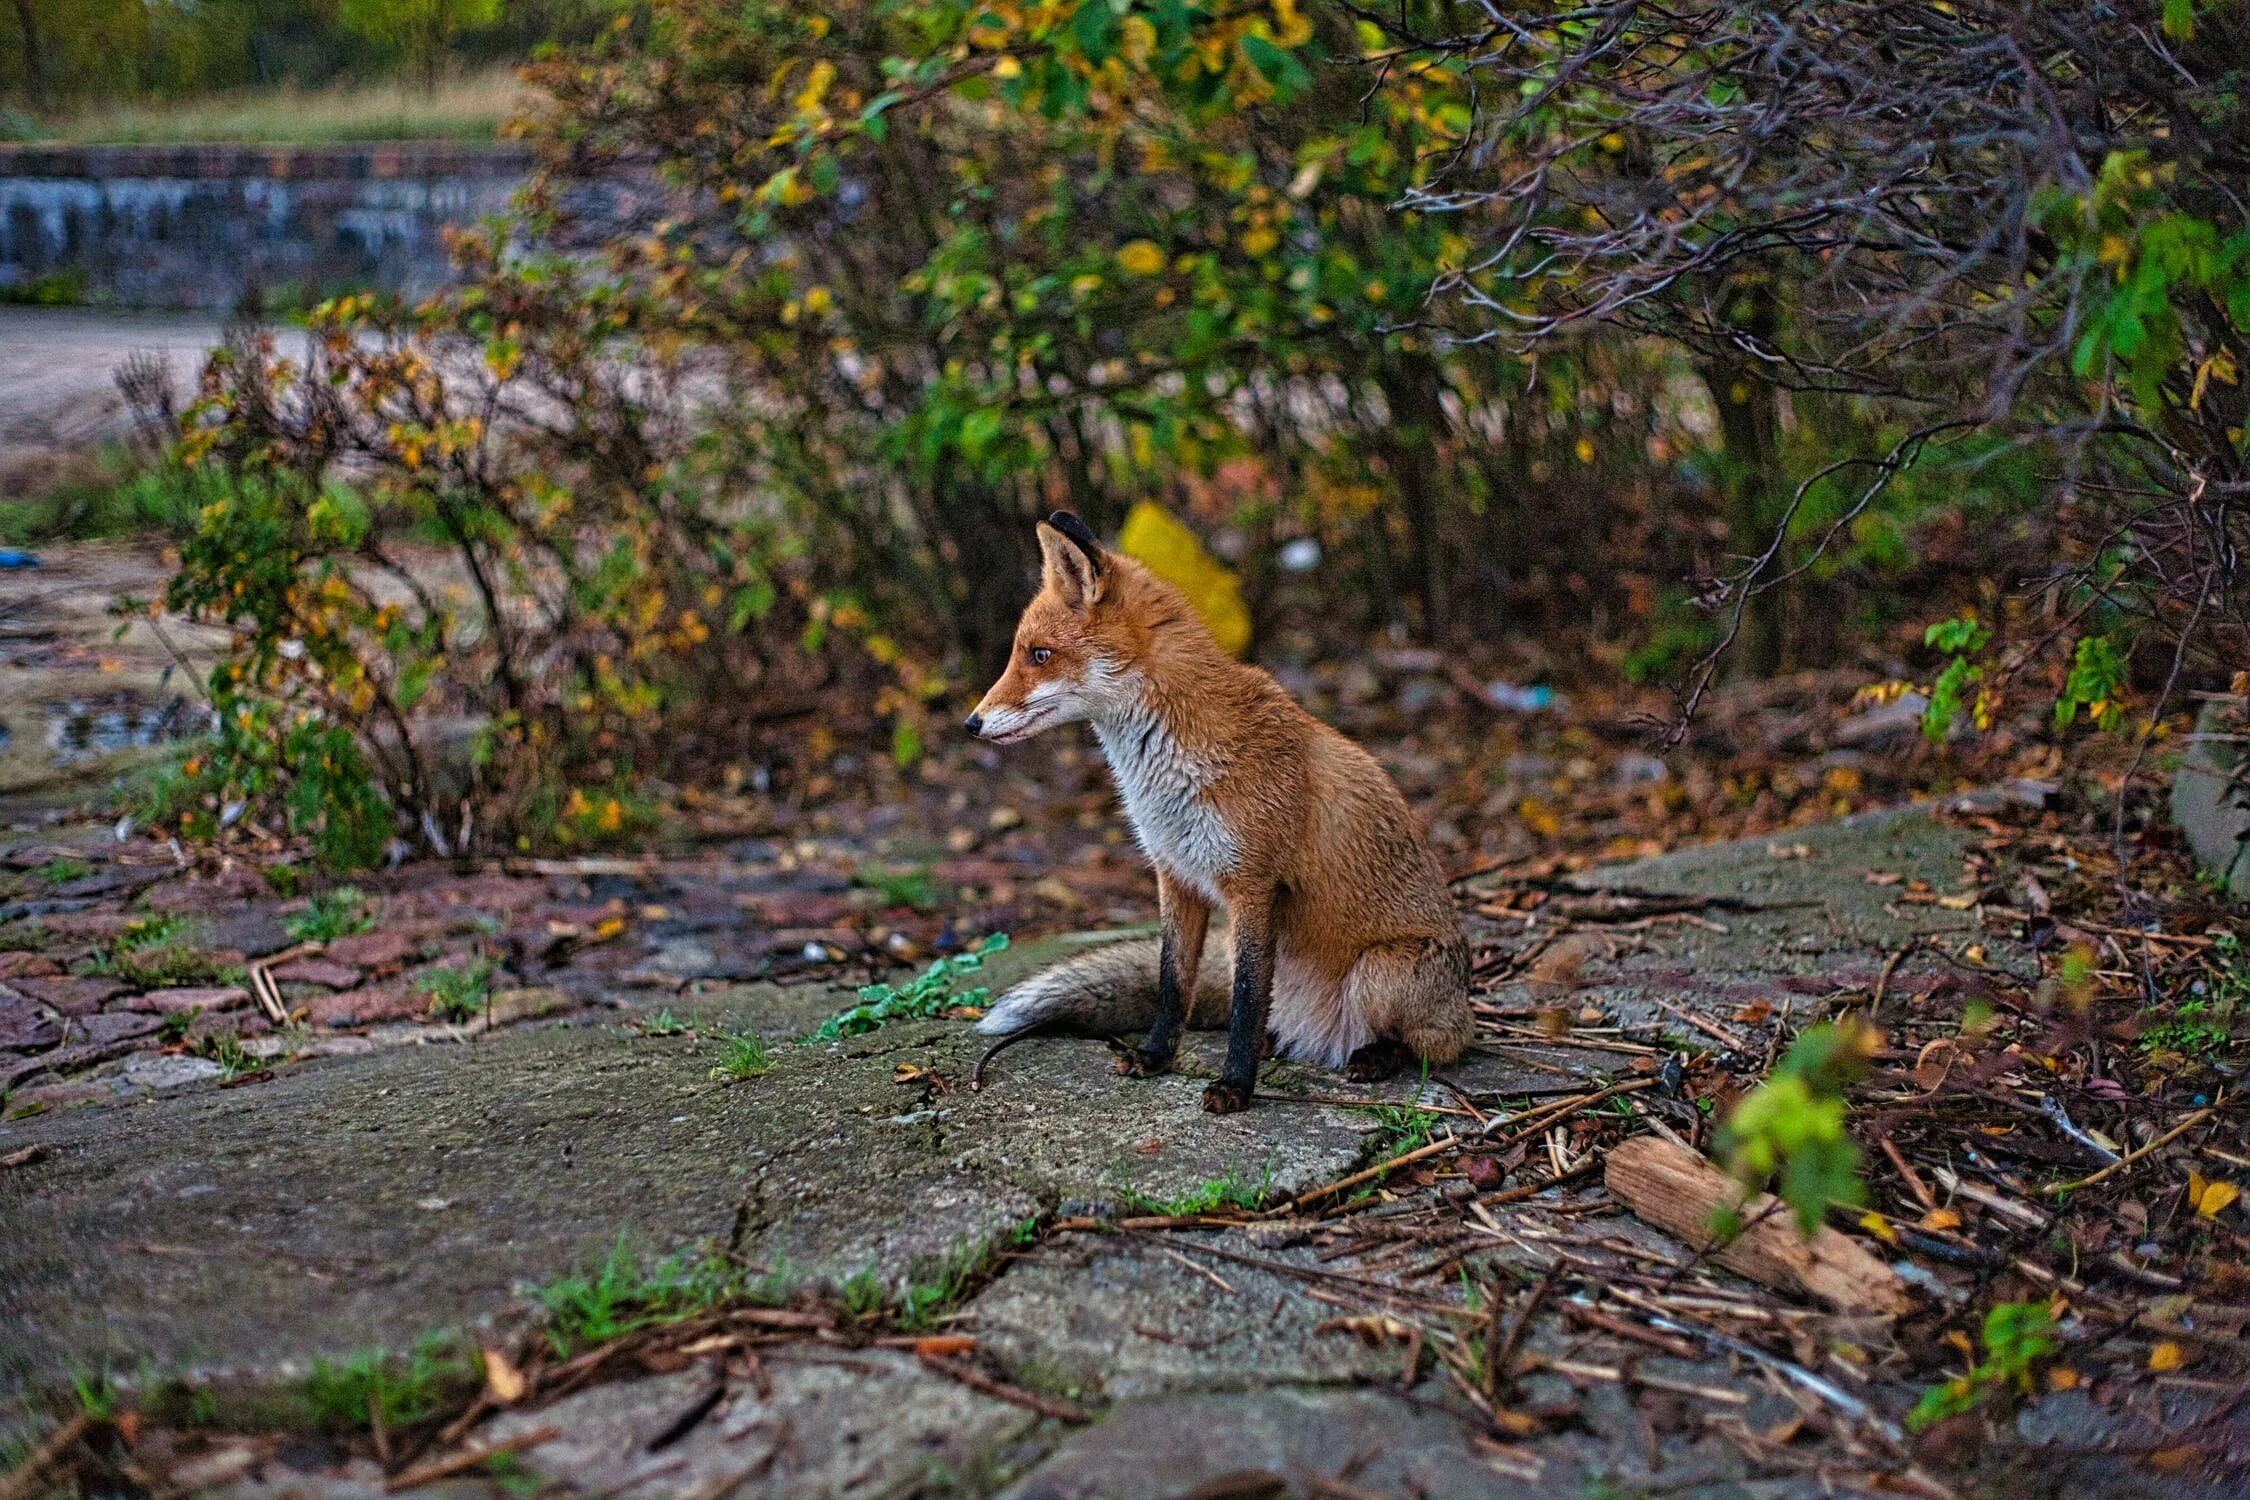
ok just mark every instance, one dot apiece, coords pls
pixel 1370 1174
pixel 466 1459
pixel 1912 1178
pixel 24 1483
pixel 1704 1024
pixel 1999 1203
pixel 976 1380
pixel 2166 1139
pixel 1680 1192
pixel 1499 1360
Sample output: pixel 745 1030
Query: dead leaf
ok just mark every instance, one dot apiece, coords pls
pixel 502 1380
pixel 26 1156
pixel 1941 1218
pixel 2210 1199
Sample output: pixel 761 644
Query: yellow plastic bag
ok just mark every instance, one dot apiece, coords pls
pixel 1172 553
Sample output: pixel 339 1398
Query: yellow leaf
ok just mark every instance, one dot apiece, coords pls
pixel 503 1379
pixel 1941 1218
pixel 1141 257
pixel 1173 554
pixel 2210 1198
pixel 2166 1356
pixel 1878 1226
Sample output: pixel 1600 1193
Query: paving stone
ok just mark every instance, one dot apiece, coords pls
pixel 202 997
pixel 24 1023
pixel 368 1005
pixel 53 1098
pixel 381 947
pixel 87 926
pixel 72 996
pixel 553 1142
pixel 324 972
pixel 255 931
pixel 1094 1319
pixel 220 894
pixel 868 1423
pixel 163 1071
pixel 1377 1443
pixel 112 1026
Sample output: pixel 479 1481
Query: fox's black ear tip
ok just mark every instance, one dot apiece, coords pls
pixel 1080 534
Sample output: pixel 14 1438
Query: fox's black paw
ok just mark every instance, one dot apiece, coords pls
pixel 1384 1057
pixel 1224 1098
pixel 1139 1062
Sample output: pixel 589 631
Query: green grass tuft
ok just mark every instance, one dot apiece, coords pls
pixel 743 1055
pixel 330 915
pixel 458 992
pixel 623 1295
pixel 403 1391
pixel 1234 1190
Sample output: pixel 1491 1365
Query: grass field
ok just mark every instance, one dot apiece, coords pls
pixel 469 108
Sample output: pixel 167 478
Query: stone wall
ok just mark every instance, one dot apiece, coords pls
pixel 199 226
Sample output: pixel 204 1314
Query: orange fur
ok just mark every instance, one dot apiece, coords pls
pixel 1245 801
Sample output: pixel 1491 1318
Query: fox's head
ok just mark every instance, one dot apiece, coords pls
pixel 1075 643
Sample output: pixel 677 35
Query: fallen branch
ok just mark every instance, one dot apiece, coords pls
pixel 1680 1192
pixel 466 1459
pixel 2166 1139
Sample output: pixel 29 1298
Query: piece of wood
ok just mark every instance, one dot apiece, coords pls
pixel 1679 1191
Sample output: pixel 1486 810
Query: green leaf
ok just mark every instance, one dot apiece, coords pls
pixel 1277 66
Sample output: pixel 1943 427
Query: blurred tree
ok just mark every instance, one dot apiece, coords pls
pixel 422 32
pixel 33 60
pixel 1971 219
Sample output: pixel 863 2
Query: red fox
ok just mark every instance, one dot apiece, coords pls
pixel 1345 944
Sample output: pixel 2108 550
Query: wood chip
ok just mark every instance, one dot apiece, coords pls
pixel 1679 1191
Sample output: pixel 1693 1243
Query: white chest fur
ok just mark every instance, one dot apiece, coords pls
pixel 1164 787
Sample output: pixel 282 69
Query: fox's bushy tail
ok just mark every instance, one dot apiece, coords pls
pixel 1110 991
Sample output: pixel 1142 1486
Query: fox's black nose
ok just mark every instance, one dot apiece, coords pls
pixel 974 724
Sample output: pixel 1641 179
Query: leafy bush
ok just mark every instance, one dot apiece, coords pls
pixel 2016 1337
pixel 1791 1126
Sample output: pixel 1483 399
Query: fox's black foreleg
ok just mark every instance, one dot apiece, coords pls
pixel 1187 916
pixel 1253 926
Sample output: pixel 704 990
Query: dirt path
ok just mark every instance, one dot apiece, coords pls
pixel 58 394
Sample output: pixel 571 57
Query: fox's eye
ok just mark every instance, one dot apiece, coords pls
pixel 1039 655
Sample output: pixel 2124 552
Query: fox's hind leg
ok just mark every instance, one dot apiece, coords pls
pixel 1385 1057
pixel 1415 997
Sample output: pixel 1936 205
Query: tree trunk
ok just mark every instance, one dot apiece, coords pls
pixel 1756 494
pixel 1411 387
pixel 34 65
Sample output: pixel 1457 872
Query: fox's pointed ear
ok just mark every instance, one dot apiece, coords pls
pixel 1073 559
